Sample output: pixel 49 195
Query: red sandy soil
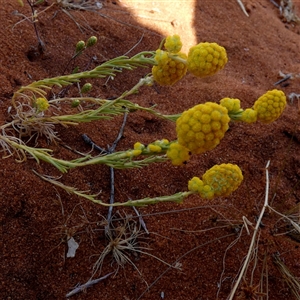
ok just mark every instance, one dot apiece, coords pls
pixel 206 239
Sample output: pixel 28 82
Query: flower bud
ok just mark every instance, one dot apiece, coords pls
pixel 91 41
pixel 86 88
pixel 173 43
pixel 75 103
pixel 80 46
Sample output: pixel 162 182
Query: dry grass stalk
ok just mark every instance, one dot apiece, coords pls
pixel 292 281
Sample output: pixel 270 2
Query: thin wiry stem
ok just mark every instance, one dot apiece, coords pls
pixel 288 277
pixel 79 288
pixel 253 240
pixel 112 171
pixel 178 197
pixel 224 262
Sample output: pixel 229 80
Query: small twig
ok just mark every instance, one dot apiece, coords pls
pixel 134 45
pixel 274 3
pixel 86 285
pixel 141 220
pixel 41 45
pixel 242 7
pixel 286 77
pixel 111 198
pixel 112 173
pixel 89 142
pixel 246 223
pixel 110 150
pixel 120 134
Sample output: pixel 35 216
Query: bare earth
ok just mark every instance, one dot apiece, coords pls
pixel 206 242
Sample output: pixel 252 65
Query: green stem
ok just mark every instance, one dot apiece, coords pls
pixel 118 160
pixel 235 116
pixel 109 68
pixel 177 58
pixel 177 198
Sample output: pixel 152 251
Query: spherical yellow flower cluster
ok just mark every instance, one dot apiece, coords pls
pixel 41 104
pixel 249 115
pixel 270 106
pixel 178 154
pixel 206 59
pixel 223 179
pixel 173 43
pixel 220 180
pixel 233 105
pixel 266 109
pixel 168 69
pixel 197 185
pixel 201 128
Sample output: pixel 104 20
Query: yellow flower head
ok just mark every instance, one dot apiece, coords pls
pixel 138 146
pixel 173 43
pixel 195 184
pixel 154 148
pixel 198 186
pixel 201 128
pixel 223 179
pixel 233 105
pixel 270 106
pixel 178 154
pixel 162 143
pixel 133 153
pixel 249 115
pixel 168 69
pixel 206 59
pixel 41 104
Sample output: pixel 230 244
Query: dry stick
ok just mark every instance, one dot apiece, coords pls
pixel 89 141
pixel 250 250
pixel 286 77
pixel 41 45
pixel 242 7
pixel 273 2
pixel 112 173
pixel 86 285
pixel 141 220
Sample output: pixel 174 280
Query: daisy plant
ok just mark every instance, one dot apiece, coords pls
pixel 199 129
